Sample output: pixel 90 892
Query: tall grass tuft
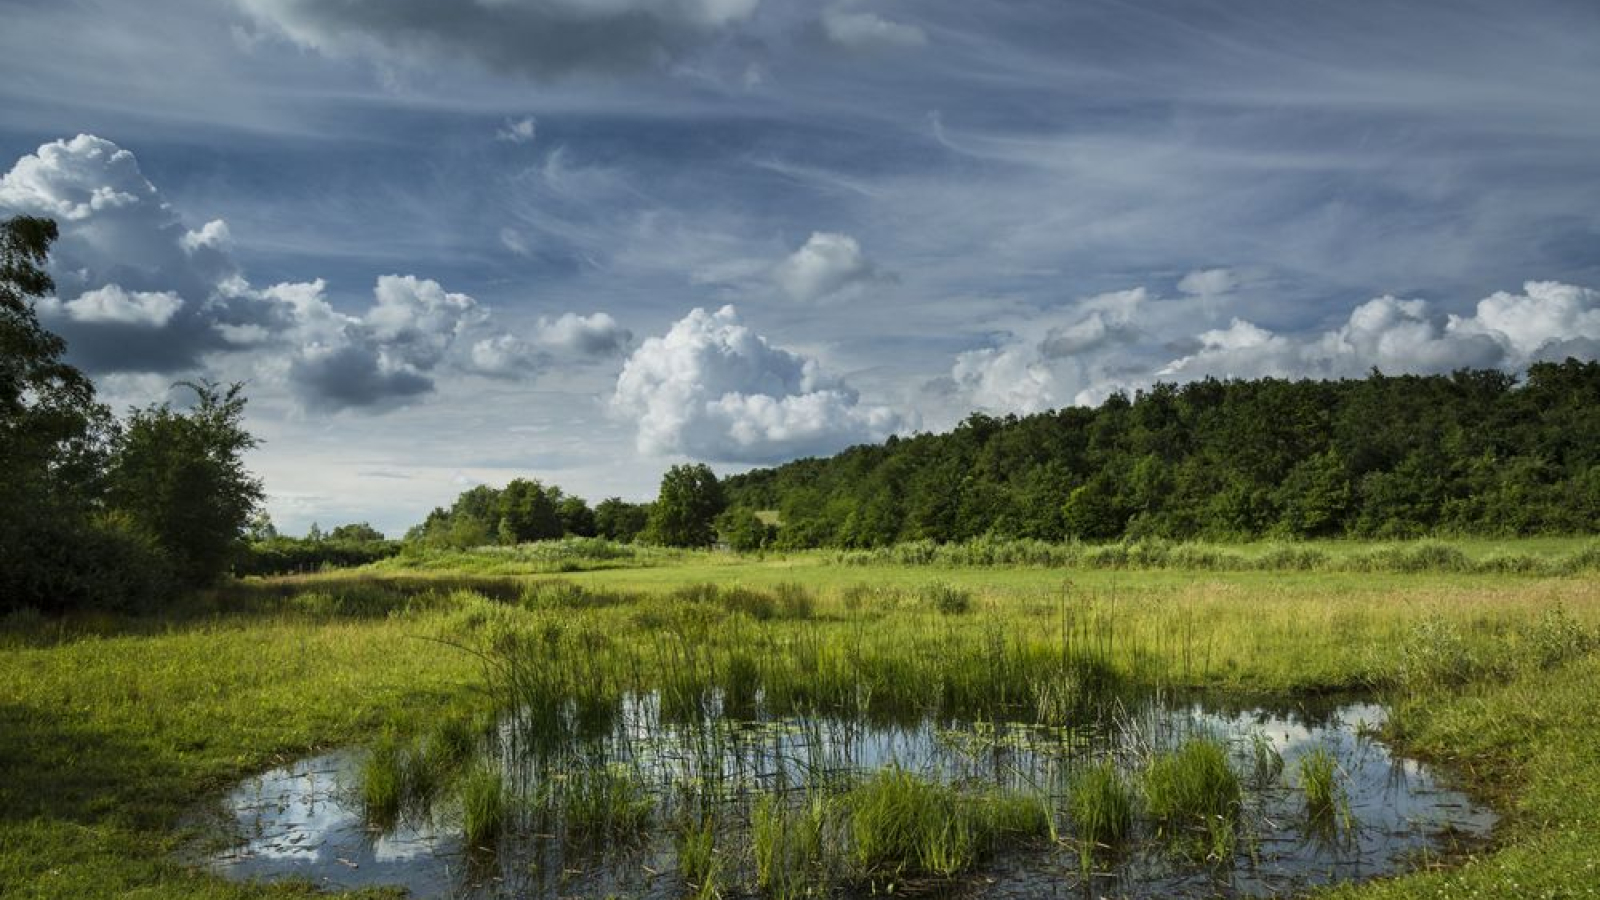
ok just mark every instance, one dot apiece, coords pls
pixel 605 801
pixel 1102 808
pixel 789 844
pixel 383 782
pixel 902 824
pixel 1193 790
pixel 947 598
pixel 483 807
pixel 1327 803
pixel 1266 763
pixel 698 863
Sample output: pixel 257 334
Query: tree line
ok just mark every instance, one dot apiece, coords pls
pixel 1473 452
pixel 685 514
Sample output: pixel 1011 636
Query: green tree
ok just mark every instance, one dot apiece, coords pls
pixel 1315 497
pixel 576 517
pixel 685 512
pixel 57 547
pixel 528 512
pixel 356 533
pixel 615 519
pixel 742 530
pixel 180 478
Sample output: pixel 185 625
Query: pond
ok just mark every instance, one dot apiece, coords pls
pixel 604 815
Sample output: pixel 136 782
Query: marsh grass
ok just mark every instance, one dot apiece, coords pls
pixel 1327 801
pixel 901 824
pixel 699 865
pixel 383 781
pixel 1102 804
pixel 947 599
pixel 602 802
pixel 1193 791
pixel 794 845
pixel 1409 557
pixel 1266 763
pixel 483 807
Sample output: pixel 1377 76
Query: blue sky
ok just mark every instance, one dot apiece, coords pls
pixel 453 242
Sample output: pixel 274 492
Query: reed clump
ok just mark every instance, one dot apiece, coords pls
pixel 483 807
pixel 1327 803
pixel 1102 804
pixel 901 824
pixel 1193 792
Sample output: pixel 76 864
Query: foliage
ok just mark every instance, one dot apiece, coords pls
pixel 616 519
pixel 685 513
pixel 285 555
pixel 742 530
pixel 100 514
pixel 180 477
pixel 524 511
pixel 1387 457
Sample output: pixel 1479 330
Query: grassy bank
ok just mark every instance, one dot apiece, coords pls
pixel 111 732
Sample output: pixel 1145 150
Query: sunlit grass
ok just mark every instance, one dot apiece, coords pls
pixel 113 730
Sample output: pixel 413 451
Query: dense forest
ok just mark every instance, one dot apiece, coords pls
pixel 1474 452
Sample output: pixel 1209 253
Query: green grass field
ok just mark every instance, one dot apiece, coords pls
pixel 112 732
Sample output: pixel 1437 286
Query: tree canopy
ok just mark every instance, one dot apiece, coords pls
pixel 97 512
pixel 1474 452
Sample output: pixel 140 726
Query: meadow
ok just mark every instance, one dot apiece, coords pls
pixel 115 732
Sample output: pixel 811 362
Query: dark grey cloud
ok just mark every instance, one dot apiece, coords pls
pixel 540 38
pixel 352 376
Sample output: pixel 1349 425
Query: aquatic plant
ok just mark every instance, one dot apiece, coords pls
pixel 1327 803
pixel 698 862
pixel 604 801
pixel 1193 790
pixel 789 842
pixel 1102 804
pixel 383 781
pixel 900 823
pixel 483 807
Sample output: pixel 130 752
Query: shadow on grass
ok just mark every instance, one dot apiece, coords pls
pixel 60 769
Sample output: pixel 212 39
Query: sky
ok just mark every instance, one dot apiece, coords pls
pixel 454 242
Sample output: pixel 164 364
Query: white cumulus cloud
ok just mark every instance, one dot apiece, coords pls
pixel 711 388
pixel 148 309
pixel 827 264
pixel 1506 331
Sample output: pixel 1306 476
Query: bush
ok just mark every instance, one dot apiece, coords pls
pixel 946 598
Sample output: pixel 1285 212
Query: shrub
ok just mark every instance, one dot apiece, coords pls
pixel 946 598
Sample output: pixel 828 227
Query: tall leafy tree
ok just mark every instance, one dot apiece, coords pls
pixel 529 512
pixel 616 519
pixel 179 476
pixel 53 436
pixel 686 510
